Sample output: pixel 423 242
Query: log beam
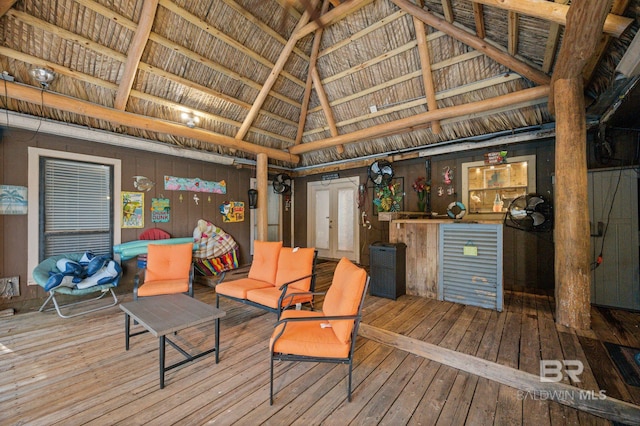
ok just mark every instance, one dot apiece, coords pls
pixel 408 124
pixel 66 103
pixel 557 12
pixel 134 53
pixel 262 180
pixel 6 5
pixel 271 79
pixel 572 271
pixel 471 40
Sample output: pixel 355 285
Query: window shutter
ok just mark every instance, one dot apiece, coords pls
pixel 77 207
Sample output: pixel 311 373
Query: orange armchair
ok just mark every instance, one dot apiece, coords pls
pixel 169 270
pixel 328 335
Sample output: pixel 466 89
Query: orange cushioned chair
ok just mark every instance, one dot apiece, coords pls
pixel 328 335
pixel 169 270
pixel 295 269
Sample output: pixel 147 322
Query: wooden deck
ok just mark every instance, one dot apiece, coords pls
pixel 76 371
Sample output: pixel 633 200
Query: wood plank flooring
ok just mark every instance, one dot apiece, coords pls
pixel 76 371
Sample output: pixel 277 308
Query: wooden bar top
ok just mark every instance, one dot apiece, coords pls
pixel 448 220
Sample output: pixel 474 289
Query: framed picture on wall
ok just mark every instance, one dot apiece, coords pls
pixel 132 209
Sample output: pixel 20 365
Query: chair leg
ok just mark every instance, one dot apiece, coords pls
pixel 349 386
pixel 58 307
pixel 217 301
pixel 271 383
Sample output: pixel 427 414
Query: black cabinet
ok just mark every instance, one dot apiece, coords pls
pixel 387 269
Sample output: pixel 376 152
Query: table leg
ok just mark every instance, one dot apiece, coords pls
pixel 161 351
pixel 126 331
pixel 217 338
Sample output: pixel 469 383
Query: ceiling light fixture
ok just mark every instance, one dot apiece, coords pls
pixel 42 75
pixel 190 120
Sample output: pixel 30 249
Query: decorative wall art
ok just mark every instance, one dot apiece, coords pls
pixel 232 211
pixel 389 198
pixel 132 210
pixel 142 183
pixel 160 208
pixel 173 183
pixel 13 199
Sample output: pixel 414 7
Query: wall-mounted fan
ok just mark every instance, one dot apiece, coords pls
pixel 531 212
pixel 282 184
pixel 380 172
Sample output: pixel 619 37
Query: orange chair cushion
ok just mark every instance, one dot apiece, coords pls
pixel 239 288
pixel 308 338
pixel 269 297
pixel 265 261
pixel 295 263
pixel 344 297
pixel 154 288
pixel 168 262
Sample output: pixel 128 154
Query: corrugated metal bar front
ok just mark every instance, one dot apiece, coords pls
pixel 471 264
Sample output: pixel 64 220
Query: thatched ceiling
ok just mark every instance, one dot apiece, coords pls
pixel 348 80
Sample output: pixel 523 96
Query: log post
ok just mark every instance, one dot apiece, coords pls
pixel 572 271
pixel 262 178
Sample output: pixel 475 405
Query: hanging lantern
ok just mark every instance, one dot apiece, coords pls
pixel 253 198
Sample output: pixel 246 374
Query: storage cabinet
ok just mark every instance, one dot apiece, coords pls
pixel 387 268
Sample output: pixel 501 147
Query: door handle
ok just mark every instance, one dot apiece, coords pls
pixel 599 229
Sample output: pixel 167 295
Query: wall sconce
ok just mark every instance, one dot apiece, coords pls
pixel 190 120
pixel 42 75
pixel 253 198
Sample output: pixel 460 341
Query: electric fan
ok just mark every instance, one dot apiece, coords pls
pixel 531 212
pixel 282 183
pixel 380 172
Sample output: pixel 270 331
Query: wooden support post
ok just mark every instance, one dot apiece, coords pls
pixel 262 177
pixel 572 271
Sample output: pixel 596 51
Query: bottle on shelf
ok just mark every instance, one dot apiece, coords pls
pixel 497 204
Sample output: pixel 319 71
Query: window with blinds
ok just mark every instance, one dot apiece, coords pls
pixel 76 211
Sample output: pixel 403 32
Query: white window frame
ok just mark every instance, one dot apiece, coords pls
pixel 33 217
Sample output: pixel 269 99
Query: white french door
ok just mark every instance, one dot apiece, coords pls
pixel 332 218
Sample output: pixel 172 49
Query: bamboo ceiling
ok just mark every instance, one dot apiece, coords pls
pixel 306 82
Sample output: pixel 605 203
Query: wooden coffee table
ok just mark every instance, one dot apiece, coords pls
pixel 162 315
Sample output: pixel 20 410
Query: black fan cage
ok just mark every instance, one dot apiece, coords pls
pixel 531 212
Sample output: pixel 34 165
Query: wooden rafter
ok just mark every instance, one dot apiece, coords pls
pixel 331 17
pixel 556 12
pixel 467 88
pixel 447 10
pixel 134 54
pixel 427 76
pixel 501 57
pixel 144 67
pixel 271 79
pixel 50 99
pixel 362 33
pixel 478 17
pixel 552 43
pixel 326 108
pixel 618 8
pixel 209 29
pixel 264 27
pixel 315 49
pixel 103 50
pixel 5 5
pixel 408 124
pixel 578 45
pixel 513 30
